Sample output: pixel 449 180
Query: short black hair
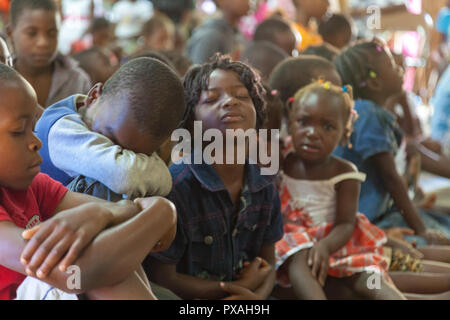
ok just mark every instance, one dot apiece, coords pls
pixel 197 79
pixel 263 56
pixel 274 107
pixel 155 93
pixel 8 74
pixel 18 6
pixel 324 50
pixel 331 26
pixel 355 63
pixel 98 24
pixel 155 55
pixel 269 28
pixel 181 62
pixel 294 73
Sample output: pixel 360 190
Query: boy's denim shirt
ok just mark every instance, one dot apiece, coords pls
pixel 375 131
pixel 210 243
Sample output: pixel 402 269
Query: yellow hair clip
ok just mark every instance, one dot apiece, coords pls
pixel 327 85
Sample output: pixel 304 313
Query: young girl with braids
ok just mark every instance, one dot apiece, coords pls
pixel 371 70
pixel 325 239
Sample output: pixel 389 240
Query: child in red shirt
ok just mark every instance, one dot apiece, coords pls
pixel 44 228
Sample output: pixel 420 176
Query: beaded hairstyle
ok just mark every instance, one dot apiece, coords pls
pixel 323 87
pixel 357 64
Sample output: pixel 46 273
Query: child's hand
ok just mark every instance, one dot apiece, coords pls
pixel 318 261
pixel 165 242
pixel 237 292
pixel 405 247
pixel 65 235
pixel 435 237
pixel 253 274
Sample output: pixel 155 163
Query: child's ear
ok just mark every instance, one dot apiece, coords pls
pixel 93 94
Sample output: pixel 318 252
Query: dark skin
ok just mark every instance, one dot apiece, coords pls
pixel 307 9
pixel 35 41
pixel 226 104
pixel 318 125
pixel 83 228
pixel 233 10
pixel 388 83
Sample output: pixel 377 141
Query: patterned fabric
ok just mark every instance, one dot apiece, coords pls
pixel 214 237
pixel 308 210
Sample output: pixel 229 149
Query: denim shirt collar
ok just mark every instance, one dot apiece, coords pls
pixel 210 179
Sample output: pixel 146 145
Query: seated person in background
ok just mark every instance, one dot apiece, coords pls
pixel 110 136
pixel 336 30
pixel 158 33
pixel 278 32
pixel 264 57
pixel 96 63
pixel 34 33
pixel 219 34
pixel 324 50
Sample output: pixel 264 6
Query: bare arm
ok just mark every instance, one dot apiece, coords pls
pixel 110 257
pixel 385 166
pixel 185 286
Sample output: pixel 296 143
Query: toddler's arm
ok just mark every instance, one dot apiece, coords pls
pixel 385 166
pixel 76 150
pixel 113 255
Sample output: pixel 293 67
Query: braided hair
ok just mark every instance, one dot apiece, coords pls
pixel 197 79
pixel 356 65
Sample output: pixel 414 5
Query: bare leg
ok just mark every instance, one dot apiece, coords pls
pixel 359 284
pixel 436 253
pixel 435 266
pixel 132 288
pixel 337 289
pixel 440 296
pixel 421 283
pixel 306 287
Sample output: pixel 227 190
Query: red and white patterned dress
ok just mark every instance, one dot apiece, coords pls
pixel 308 209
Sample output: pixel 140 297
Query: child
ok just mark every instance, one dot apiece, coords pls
pixel 96 63
pixel 263 56
pixel 220 34
pixel 324 50
pixel 278 32
pixel 110 136
pixel 106 241
pixel 305 12
pixel 158 33
pixel 98 34
pixel 370 68
pixel 336 30
pixel 34 35
pixel 319 195
pixel 229 216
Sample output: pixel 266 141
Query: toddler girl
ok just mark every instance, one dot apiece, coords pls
pixel 324 235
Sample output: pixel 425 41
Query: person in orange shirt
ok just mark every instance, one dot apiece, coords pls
pixel 305 11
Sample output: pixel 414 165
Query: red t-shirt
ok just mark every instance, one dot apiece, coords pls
pixel 27 208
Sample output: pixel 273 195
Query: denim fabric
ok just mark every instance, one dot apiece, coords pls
pixel 375 131
pixel 432 220
pixel 213 237
pixel 82 184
